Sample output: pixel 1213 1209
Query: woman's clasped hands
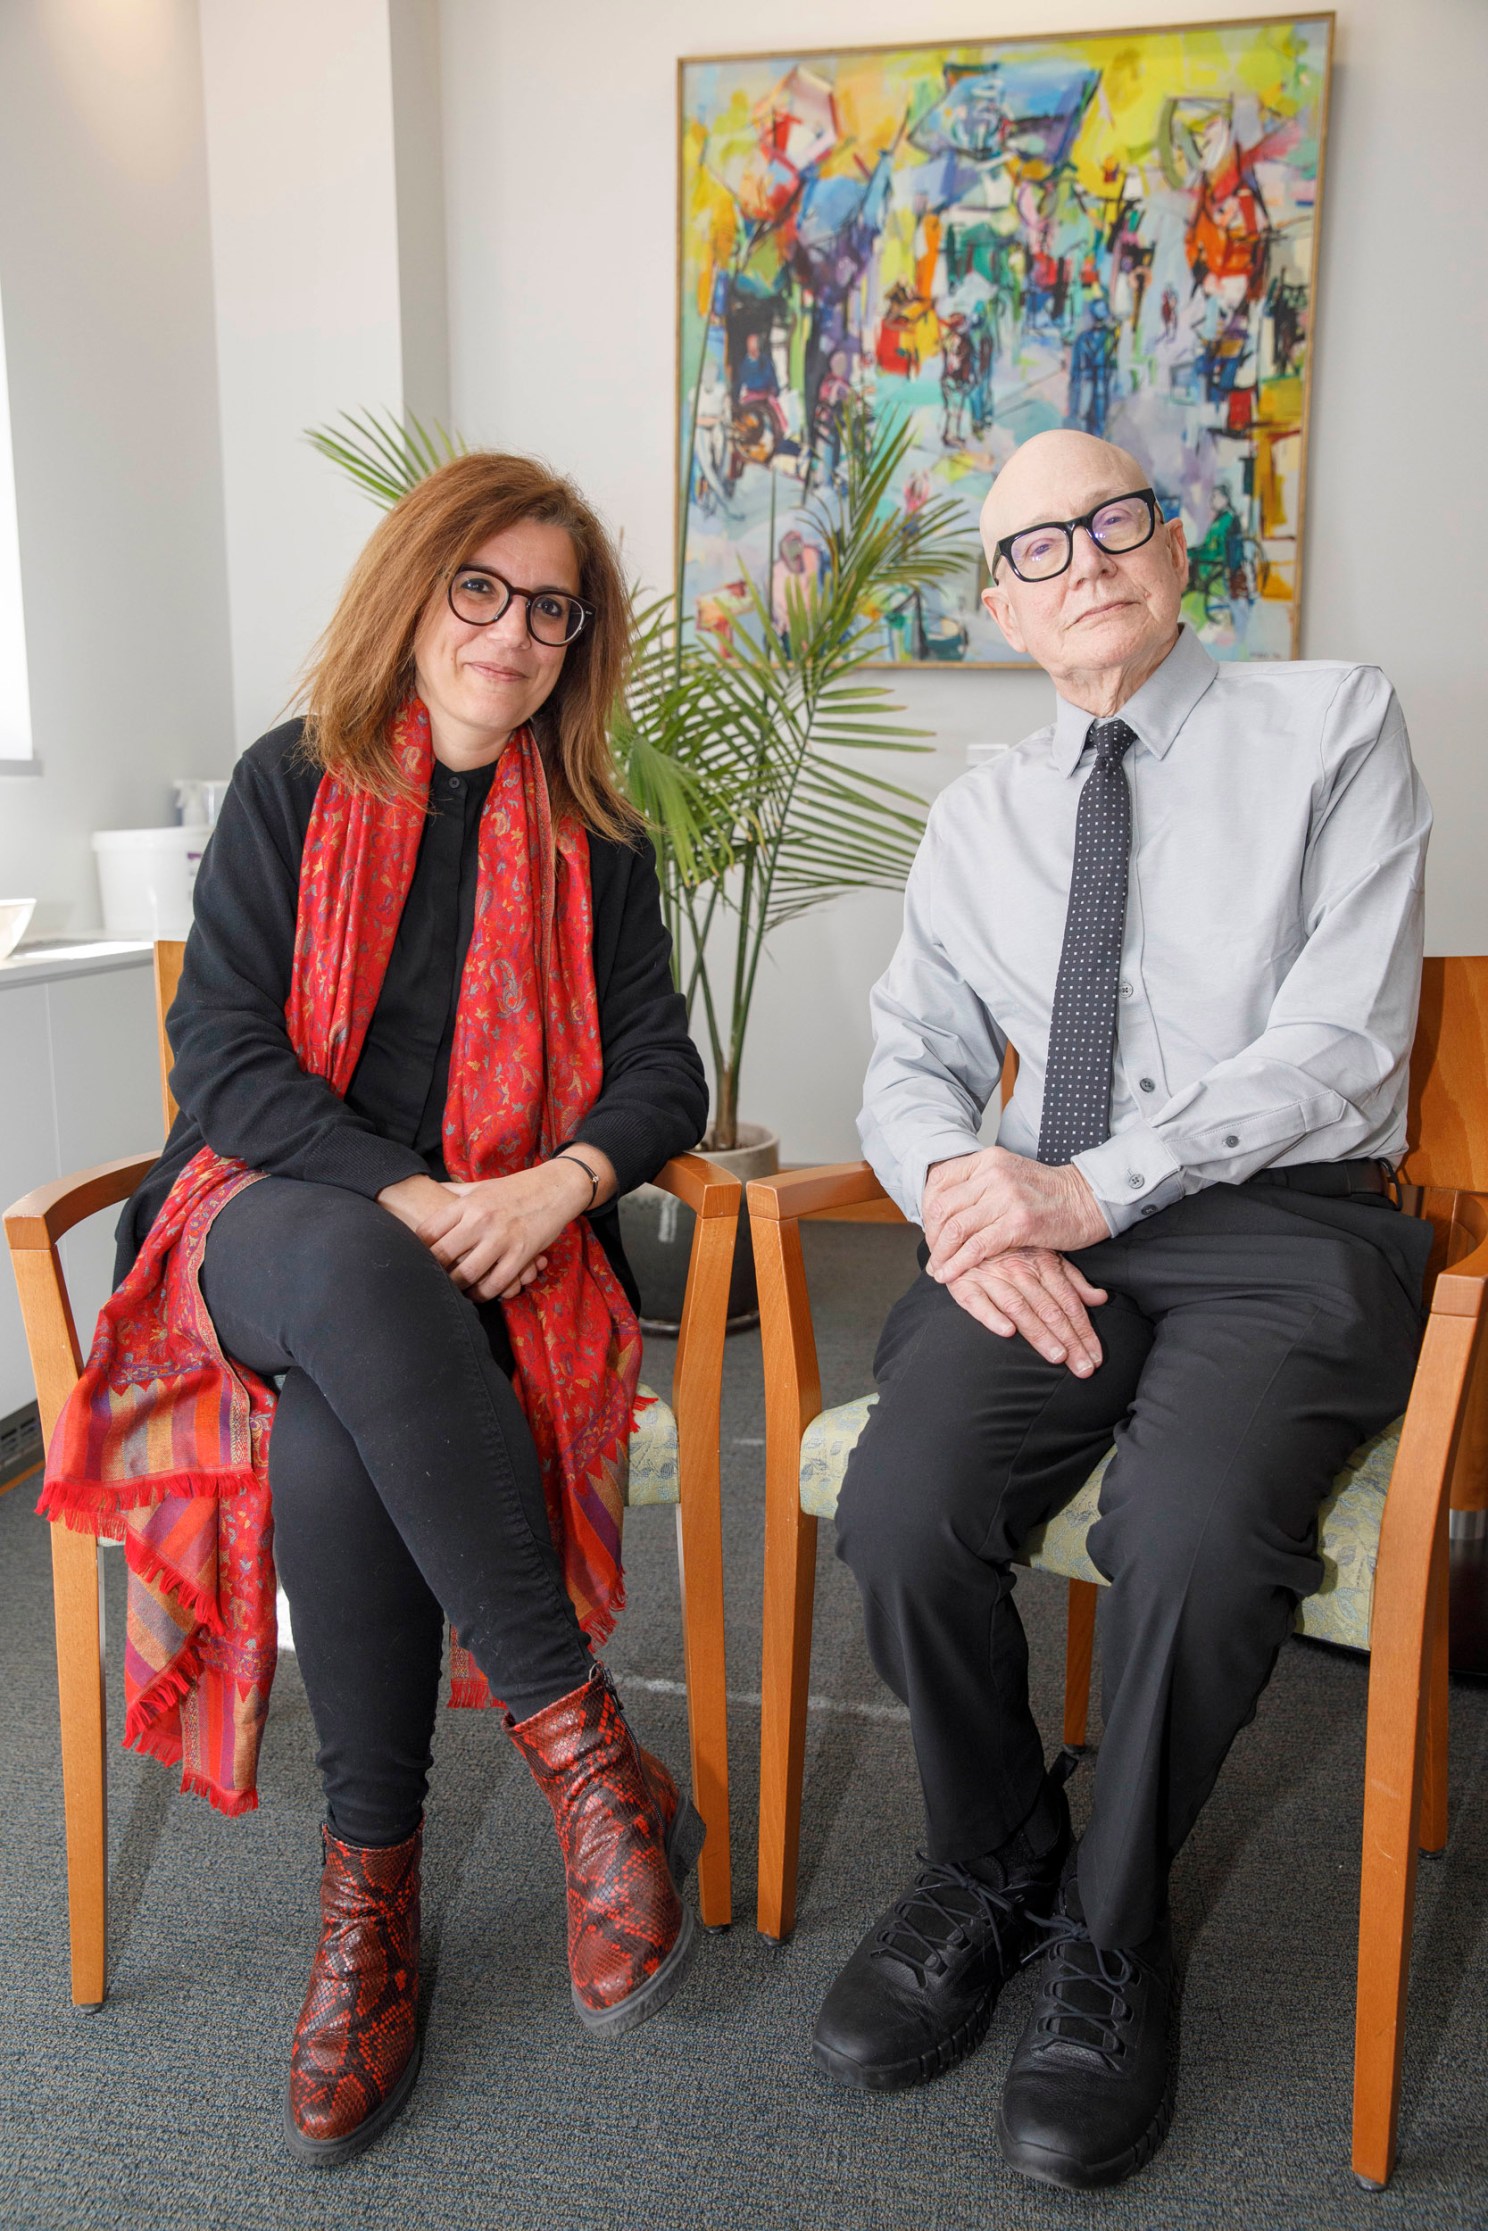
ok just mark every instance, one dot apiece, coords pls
pixel 492 1236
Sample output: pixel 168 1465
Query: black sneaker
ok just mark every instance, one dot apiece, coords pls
pixel 917 1995
pixel 1089 2093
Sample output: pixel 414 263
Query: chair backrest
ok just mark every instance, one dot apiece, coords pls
pixel 169 954
pixel 1447 1133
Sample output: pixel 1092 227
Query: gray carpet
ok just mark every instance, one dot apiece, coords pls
pixel 163 2109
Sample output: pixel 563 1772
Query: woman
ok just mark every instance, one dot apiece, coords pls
pixel 425 1035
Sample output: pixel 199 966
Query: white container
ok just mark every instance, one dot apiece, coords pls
pixel 198 803
pixel 15 915
pixel 146 877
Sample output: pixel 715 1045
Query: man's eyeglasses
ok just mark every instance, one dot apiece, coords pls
pixel 478 596
pixel 1043 552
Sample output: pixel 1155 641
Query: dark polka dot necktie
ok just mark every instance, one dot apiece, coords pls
pixel 1082 1027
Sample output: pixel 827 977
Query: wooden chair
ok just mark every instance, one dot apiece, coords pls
pixel 674 1460
pixel 1385 1556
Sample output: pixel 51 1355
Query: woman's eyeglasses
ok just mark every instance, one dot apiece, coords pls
pixel 1041 553
pixel 478 596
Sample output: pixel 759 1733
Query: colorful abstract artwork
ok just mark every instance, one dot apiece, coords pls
pixel 1114 232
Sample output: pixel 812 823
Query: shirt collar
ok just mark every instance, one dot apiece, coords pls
pixel 1156 712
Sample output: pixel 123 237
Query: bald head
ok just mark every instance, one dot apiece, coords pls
pixel 1104 619
pixel 1057 475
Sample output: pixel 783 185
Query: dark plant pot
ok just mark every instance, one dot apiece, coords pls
pixel 657 1232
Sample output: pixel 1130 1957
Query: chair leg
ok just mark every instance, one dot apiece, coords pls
pixel 790 1588
pixel 1431 1834
pixel 700 1558
pixel 80 1693
pixel 1079 1652
pixel 1386 1899
pixel 1400 1677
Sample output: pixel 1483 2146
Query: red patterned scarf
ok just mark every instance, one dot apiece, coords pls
pixel 164 1441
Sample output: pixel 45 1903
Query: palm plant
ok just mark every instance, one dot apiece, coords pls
pixel 742 756
pixel 767 728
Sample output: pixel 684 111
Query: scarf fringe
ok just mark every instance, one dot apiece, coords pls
pixel 142 1728
pixel 471 1693
pixel 232 1802
pixel 91 1507
pixel 141 1558
pixel 105 1525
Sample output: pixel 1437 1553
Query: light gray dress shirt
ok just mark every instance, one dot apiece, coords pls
pixel 1271 962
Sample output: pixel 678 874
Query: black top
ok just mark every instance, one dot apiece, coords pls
pixel 239 1086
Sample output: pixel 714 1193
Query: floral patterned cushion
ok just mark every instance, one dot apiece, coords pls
pixel 1348 1528
pixel 653 1454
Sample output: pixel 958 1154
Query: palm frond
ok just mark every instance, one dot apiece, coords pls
pixel 385 456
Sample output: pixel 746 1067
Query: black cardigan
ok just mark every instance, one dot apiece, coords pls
pixel 241 1090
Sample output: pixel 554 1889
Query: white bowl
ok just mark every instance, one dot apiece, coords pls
pixel 15 914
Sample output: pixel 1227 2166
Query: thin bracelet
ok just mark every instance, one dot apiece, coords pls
pixel 566 1154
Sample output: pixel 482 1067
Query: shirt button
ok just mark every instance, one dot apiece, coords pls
pixel 1232 1138
pixel 456 783
pixel 1148 1085
pixel 1136 1179
pixel 1126 989
pixel 1150 1209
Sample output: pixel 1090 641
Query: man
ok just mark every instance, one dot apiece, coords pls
pixel 1193 904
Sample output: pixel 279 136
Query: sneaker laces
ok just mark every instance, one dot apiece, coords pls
pixel 1100 1975
pixel 955 1904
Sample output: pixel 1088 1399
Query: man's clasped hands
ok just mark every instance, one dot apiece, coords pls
pixel 997 1226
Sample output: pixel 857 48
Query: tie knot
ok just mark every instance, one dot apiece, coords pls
pixel 1110 738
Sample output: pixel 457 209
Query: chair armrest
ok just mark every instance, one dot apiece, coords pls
pixel 1459 1259
pixel 1462 1291
pixel 40 1218
pixel 805 1192
pixel 703 1186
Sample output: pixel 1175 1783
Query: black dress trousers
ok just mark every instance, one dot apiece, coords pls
pixel 1251 1340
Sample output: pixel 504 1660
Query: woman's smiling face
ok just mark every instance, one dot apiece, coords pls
pixel 481 683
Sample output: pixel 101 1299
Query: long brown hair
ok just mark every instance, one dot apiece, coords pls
pixel 362 669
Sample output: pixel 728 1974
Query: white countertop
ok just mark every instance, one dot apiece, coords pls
pixel 46 963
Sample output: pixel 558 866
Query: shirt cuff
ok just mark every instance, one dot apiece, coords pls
pixel 1132 1176
pixel 942 1146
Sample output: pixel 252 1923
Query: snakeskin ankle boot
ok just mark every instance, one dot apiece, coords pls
pixel 628 1840
pixel 356 2048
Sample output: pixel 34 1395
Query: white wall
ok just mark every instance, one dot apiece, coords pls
pixel 105 276
pixel 573 138
pixel 311 212
pixel 15 686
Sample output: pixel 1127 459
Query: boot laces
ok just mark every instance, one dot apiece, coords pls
pixel 953 1905
pixel 1098 2019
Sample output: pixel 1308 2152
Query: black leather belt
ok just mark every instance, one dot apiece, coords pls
pixel 1334 1180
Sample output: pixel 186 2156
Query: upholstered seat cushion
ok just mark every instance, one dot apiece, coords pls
pixel 1349 1523
pixel 653 1453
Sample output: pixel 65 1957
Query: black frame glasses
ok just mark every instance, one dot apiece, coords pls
pixel 1004 549
pixel 579 609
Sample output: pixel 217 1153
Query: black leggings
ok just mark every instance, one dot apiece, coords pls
pixel 405 1484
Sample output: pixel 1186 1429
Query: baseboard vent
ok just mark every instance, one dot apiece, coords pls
pixel 20 1444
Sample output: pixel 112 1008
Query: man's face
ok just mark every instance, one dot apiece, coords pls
pixel 1103 611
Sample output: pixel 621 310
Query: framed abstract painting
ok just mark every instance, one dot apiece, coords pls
pixel 1115 231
